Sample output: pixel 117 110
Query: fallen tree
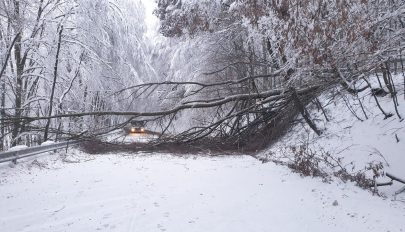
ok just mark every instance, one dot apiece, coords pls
pixel 248 119
pixel 240 118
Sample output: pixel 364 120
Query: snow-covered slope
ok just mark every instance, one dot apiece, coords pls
pixel 166 193
pixel 357 143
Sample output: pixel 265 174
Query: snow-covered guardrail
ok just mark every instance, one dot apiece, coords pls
pixel 31 151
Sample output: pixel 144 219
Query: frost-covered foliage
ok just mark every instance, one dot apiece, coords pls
pixel 299 36
pixel 71 54
pixel 287 42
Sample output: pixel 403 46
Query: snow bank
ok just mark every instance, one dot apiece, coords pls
pixel 18 148
pixel 48 142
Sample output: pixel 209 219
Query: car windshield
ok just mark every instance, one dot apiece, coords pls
pixel 138 123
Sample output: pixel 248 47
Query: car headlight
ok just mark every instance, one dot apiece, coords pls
pixel 133 130
pixel 142 129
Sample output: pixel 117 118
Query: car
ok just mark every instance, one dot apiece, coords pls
pixel 136 127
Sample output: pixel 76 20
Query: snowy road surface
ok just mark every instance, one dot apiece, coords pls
pixel 165 193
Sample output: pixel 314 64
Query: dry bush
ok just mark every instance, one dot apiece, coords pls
pixel 306 162
pixel 320 163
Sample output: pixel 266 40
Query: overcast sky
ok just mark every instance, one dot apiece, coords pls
pixel 151 20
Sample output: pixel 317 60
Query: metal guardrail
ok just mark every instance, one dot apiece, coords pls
pixel 8 156
pixel 31 151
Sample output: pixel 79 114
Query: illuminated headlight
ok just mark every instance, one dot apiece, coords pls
pixel 133 130
pixel 142 129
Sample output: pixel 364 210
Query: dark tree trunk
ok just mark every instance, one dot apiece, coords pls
pixel 3 69
pixel 2 113
pixel 20 63
pixel 304 112
pixel 55 75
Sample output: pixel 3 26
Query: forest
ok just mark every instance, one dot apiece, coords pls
pixel 236 73
pixel 202 115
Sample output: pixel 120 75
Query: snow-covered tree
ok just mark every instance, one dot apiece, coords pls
pixel 64 57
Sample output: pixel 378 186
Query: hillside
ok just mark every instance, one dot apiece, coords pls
pixel 356 142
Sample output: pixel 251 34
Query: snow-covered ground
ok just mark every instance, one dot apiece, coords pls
pixel 114 192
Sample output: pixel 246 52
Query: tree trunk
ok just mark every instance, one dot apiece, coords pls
pixel 19 79
pixel 55 75
pixel 3 113
pixel 304 112
pixel 3 69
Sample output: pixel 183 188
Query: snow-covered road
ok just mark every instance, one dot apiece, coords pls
pixel 166 193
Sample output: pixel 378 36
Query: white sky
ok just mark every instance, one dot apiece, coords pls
pixel 151 20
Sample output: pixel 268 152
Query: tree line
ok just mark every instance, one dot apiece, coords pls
pixel 63 57
pixel 235 70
